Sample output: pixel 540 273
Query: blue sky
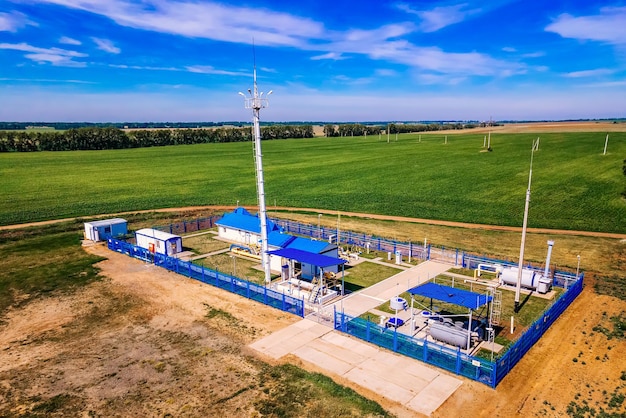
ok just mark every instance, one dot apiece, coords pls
pixel 340 60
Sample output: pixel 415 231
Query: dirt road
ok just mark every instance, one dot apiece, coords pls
pixel 351 214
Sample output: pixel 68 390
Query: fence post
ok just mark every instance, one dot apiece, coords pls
pixel 171 230
pixel 197 224
pixel 428 254
pixel 395 339
pixel 425 354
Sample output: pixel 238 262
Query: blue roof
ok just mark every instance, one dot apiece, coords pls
pixel 452 295
pixel 241 219
pixel 278 239
pixel 307 257
pixel 306 244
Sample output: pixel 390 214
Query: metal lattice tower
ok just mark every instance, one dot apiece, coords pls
pixel 256 102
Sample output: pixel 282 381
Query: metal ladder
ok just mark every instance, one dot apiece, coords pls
pixel 496 307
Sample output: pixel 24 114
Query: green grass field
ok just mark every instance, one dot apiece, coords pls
pixel 574 185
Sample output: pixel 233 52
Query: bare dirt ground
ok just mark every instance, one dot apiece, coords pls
pixel 140 343
pixel 530 127
pixel 539 127
pixel 570 363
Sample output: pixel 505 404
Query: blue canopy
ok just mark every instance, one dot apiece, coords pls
pixel 451 295
pixel 318 260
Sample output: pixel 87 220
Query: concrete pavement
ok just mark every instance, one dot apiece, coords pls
pixel 409 382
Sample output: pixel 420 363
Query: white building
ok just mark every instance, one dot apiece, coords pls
pixel 159 242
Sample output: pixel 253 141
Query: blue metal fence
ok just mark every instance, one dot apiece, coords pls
pixel 429 352
pixel 536 330
pixel 213 277
pixel 562 279
pixel 441 356
pixel 452 360
pixel 364 241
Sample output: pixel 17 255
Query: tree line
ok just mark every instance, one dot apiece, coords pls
pixel 358 129
pixel 97 138
pixel 61 126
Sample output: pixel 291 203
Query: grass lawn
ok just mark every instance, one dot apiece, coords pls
pixel 203 244
pixel 366 274
pixel 574 185
pixel 40 261
pixel 241 267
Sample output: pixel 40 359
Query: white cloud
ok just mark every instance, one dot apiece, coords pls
pixel 208 69
pixel 205 20
pixel 608 84
pixel 47 80
pixel 607 26
pixel 11 22
pixel 537 54
pixel 439 17
pixel 359 81
pixel 509 49
pixel 589 73
pixel 241 24
pixel 336 56
pixel 141 67
pixel 69 41
pixel 384 72
pixel 200 69
pixel 55 56
pixel 106 45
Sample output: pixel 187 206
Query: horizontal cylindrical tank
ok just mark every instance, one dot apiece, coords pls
pixel 530 279
pixel 449 334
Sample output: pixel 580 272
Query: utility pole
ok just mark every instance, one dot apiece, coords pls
pixel 523 243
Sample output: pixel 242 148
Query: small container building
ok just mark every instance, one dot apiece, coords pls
pixel 159 242
pixel 104 229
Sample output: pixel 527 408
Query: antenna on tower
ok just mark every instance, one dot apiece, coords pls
pixel 255 102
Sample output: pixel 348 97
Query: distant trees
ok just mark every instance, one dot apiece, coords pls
pixel 357 129
pixel 100 138
pixel 330 131
pixel 402 128
pixel 351 129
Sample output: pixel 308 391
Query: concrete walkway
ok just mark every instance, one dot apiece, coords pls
pixel 409 382
pixel 360 302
